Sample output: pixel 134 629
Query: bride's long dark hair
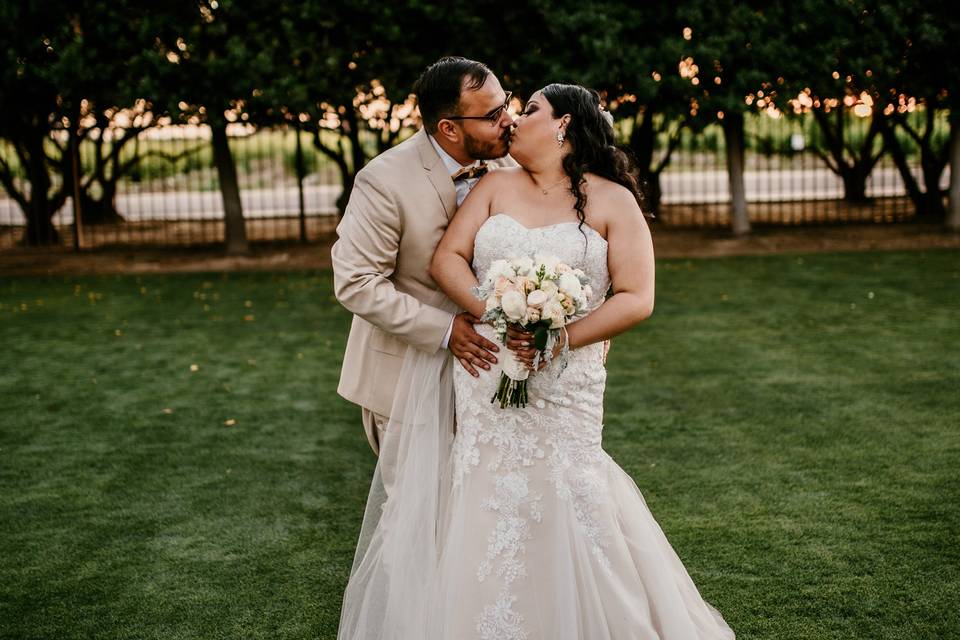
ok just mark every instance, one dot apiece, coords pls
pixel 591 137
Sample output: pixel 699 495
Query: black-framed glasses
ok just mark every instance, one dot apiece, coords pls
pixel 493 117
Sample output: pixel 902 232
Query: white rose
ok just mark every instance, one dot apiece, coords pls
pixel 500 268
pixel 546 261
pixel 570 284
pixel 514 305
pixel 549 287
pixel 553 311
pixel 537 298
pixel 522 265
pixel 492 303
pixel 563 268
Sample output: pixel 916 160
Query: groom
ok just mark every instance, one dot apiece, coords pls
pixel 399 208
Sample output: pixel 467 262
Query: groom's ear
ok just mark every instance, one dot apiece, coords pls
pixel 448 130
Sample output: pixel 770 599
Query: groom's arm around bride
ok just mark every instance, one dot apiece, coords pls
pixel 389 302
pixel 400 205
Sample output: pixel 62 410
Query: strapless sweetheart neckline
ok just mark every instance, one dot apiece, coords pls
pixel 543 227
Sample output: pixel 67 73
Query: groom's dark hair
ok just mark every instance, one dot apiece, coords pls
pixel 438 88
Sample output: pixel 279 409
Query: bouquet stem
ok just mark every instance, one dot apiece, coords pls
pixel 510 393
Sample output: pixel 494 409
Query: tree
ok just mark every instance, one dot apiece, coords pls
pixel 351 87
pixel 733 50
pixel 648 88
pixel 216 56
pixel 825 51
pixel 916 84
pixel 27 101
pixel 932 65
pixel 69 71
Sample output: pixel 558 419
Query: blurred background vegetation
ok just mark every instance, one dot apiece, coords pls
pixel 105 100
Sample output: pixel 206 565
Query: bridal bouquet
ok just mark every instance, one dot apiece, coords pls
pixel 539 294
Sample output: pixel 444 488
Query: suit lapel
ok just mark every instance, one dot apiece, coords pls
pixel 437 172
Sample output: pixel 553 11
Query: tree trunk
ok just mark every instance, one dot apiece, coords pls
pixel 854 173
pixel 642 142
pixel 234 227
pixel 358 159
pixel 339 157
pixel 953 214
pixel 348 178
pixel 40 230
pixel 301 174
pixel 917 195
pixel 854 185
pixel 932 167
pixel 102 211
pixel 651 190
pixel 733 138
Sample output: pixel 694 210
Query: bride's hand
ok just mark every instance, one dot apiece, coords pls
pixel 520 342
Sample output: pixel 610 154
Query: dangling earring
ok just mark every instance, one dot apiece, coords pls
pixel 560 137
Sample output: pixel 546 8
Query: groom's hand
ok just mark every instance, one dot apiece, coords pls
pixel 468 346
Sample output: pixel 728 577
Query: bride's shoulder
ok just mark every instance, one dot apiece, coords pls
pixel 495 181
pixel 502 175
pixel 608 199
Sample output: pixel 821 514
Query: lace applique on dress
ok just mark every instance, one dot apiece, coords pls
pixel 560 430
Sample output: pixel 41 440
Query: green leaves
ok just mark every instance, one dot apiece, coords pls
pixel 540 335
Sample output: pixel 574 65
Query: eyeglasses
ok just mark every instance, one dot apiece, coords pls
pixel 493 117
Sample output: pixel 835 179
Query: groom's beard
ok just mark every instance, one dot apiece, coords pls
pixel 487 150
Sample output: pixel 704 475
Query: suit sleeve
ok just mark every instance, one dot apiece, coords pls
pixel 365 256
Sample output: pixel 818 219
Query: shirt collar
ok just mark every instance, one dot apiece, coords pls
pixel 448 161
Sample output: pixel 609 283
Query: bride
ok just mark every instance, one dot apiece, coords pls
pixel 514 523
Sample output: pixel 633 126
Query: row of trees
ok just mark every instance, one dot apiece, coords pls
pixel 102 72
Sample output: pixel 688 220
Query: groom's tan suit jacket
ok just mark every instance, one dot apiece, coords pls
pixel 401 204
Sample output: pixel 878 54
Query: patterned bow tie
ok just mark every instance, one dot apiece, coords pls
pixel 466 173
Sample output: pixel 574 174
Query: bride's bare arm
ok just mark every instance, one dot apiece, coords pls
pixel 631 266
pixel 450 267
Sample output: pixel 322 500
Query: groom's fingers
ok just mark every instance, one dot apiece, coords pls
pixel 466 365
pixel 481 357
pixel 483 347
pixel 471 356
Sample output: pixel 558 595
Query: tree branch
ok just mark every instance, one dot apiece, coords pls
pixel 827 160
pixel 8 180
pixel 338 158
pixel 672 143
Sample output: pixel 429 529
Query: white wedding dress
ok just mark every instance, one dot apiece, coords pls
pixel 533 532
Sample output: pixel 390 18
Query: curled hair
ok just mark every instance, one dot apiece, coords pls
pixel 591 137
pixel 439 87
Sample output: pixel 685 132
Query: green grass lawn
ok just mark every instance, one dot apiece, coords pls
pixel 793 421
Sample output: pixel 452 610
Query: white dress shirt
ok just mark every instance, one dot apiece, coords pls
pixel 463 188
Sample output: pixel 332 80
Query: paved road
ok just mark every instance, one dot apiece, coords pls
pixel 693 187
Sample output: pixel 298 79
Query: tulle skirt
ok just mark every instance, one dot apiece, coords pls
pixel 499 553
